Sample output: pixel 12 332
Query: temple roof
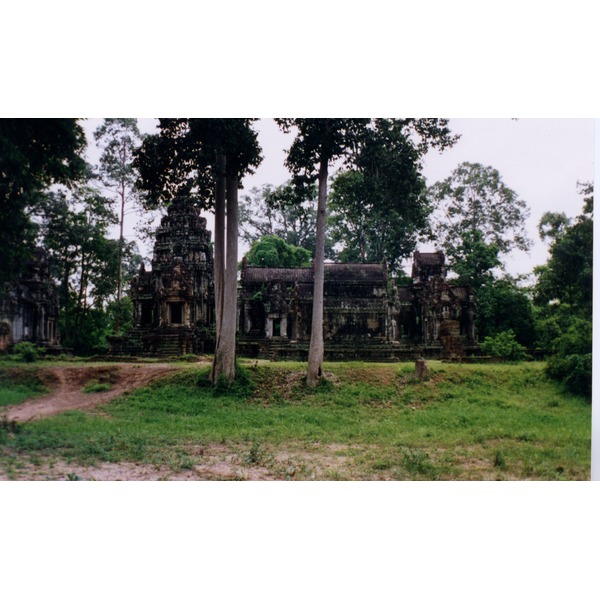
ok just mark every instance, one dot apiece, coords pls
pixel 342 272
pixel 429 258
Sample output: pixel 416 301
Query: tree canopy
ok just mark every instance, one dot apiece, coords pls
pixel 287 211
pixel 474 201
pixel 34 154
pixel 181 159
pixel 378 205
pixel 564 296
pixel 119 139
pixel 272 251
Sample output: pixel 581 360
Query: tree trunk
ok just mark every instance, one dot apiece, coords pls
pixel 120 259
pixel 219 256
pixel 316 349
pixel 224 361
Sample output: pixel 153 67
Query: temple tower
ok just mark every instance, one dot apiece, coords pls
pixel 174 302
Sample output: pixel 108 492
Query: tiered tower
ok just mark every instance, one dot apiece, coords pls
pixel 174 302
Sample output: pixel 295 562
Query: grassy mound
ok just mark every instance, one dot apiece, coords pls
pixel 366 421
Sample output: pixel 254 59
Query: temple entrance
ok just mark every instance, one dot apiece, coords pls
pixel 176 313
pixel 146 316
pixel 276 327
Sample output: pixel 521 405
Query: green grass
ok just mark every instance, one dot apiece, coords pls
pixel 18 384
pixel 467 422
pixel 95 386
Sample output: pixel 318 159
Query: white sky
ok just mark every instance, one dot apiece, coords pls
pixel 540 159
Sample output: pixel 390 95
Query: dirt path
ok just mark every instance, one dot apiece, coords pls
pixel 67 385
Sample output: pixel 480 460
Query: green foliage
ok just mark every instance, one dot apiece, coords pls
pixel 120 312
pixel 575 372
pixel 553 225
pixel 26 352
pixel 180 160
pixel 94 387
pixel 34 154
pixel 563 294
pixel 378 208
pixel 473 260
pixel 572 361
pixel 568 275
pixel 75 229
pixel 504 345
pixel 118 140
pixel 287 211
pixel 272 251
pixel 475 199
pixel 502 304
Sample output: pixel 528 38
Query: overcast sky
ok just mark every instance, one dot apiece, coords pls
pixel 540 159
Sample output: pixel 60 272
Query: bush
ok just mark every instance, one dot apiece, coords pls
pixel 574 370
pixel 505 346
pixel 26 352
pixel 572 363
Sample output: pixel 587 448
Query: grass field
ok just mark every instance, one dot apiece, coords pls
pixel 365 422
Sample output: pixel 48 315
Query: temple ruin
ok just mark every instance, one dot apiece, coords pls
pixel 366 315
pixel 29 307
pixel 174 302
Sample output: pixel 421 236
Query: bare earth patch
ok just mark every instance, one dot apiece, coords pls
pixel 211 462
pixel 67 384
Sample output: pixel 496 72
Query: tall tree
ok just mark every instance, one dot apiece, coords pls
pixel 34 154
pixel 567 278
pixel 474 202
pixel 378 204
pixel 119 139
pixel 317 144
pixel 205 160
pixel 564 295
pixel 74 229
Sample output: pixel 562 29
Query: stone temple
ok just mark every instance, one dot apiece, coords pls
pixel 174 302
pixel 29 307
pixel 366 315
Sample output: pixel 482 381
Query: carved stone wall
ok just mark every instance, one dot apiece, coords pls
pixel 362 307
pixel 29 306
pixel 174 302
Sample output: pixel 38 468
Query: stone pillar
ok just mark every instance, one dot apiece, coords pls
pixel 421 370
pixel 283 326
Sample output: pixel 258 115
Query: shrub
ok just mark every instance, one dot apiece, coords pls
pixel 26 352
pixel 574 370
pixel 572 363
pixel 505 346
